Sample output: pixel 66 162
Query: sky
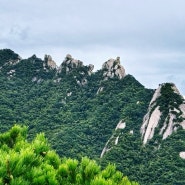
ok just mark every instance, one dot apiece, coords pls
pixel 148 35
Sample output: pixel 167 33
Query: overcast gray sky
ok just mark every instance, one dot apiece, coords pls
pixel 148 35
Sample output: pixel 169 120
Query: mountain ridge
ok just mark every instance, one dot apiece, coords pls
pixel 175 114
pixel 95 114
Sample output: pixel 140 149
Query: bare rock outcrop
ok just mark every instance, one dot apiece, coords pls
pixel 182 155
pixel 114 138
pixel 49 62
pixel 149 125
pixel 81 71
pixel 121 125
pixel 90 69
pixel 70 63
pixel 167 119
pixel 112 68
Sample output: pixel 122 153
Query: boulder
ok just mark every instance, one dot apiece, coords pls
pixel 70 63
pixel 112 68
pixel 49 62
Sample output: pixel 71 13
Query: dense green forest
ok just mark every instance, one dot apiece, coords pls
pixel 78 120
pixel 34 163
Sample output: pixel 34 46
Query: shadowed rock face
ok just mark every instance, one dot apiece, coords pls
pixel 112 68
pixel 90 69
pixel 149 124
pixel 49 62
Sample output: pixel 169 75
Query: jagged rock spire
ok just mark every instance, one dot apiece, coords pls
pixel 112 68
pixel 48 60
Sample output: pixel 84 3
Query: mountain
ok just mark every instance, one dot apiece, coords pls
pixel 106 115
pixel 158 155
pixel 166 113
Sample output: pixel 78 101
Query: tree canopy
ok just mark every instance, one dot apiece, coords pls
pixel 35 163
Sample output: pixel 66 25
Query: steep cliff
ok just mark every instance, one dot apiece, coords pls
pixel 166 113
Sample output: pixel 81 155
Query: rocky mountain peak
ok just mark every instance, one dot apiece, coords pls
pixel 112 68
pixel 79 70
pixel 166 113
pixel 70 63
pixel 49 62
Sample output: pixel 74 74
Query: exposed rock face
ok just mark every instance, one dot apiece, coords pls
pixel 121 125
pixel 182 108
pixel 11 72
pixel 131 132
pixel 100 90
pixel 149 125
pixel 112 68
pixel 49 62
pixel 156 94
pixel 14 62
pixel 114 138
pixel 106 148
pixel 8 58
pixel 37 80
pixel 182 155
pixel 169 126
pixel 70 63
pixel 173 116
pixel 90 69
pixel 82 82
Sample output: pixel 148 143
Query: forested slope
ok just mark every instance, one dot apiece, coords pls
pixel 85 113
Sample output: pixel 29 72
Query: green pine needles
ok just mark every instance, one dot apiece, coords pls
pixel 34 163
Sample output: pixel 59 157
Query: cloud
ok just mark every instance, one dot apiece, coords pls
pixel 100 22
pixel 147 35
pixel 18 33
